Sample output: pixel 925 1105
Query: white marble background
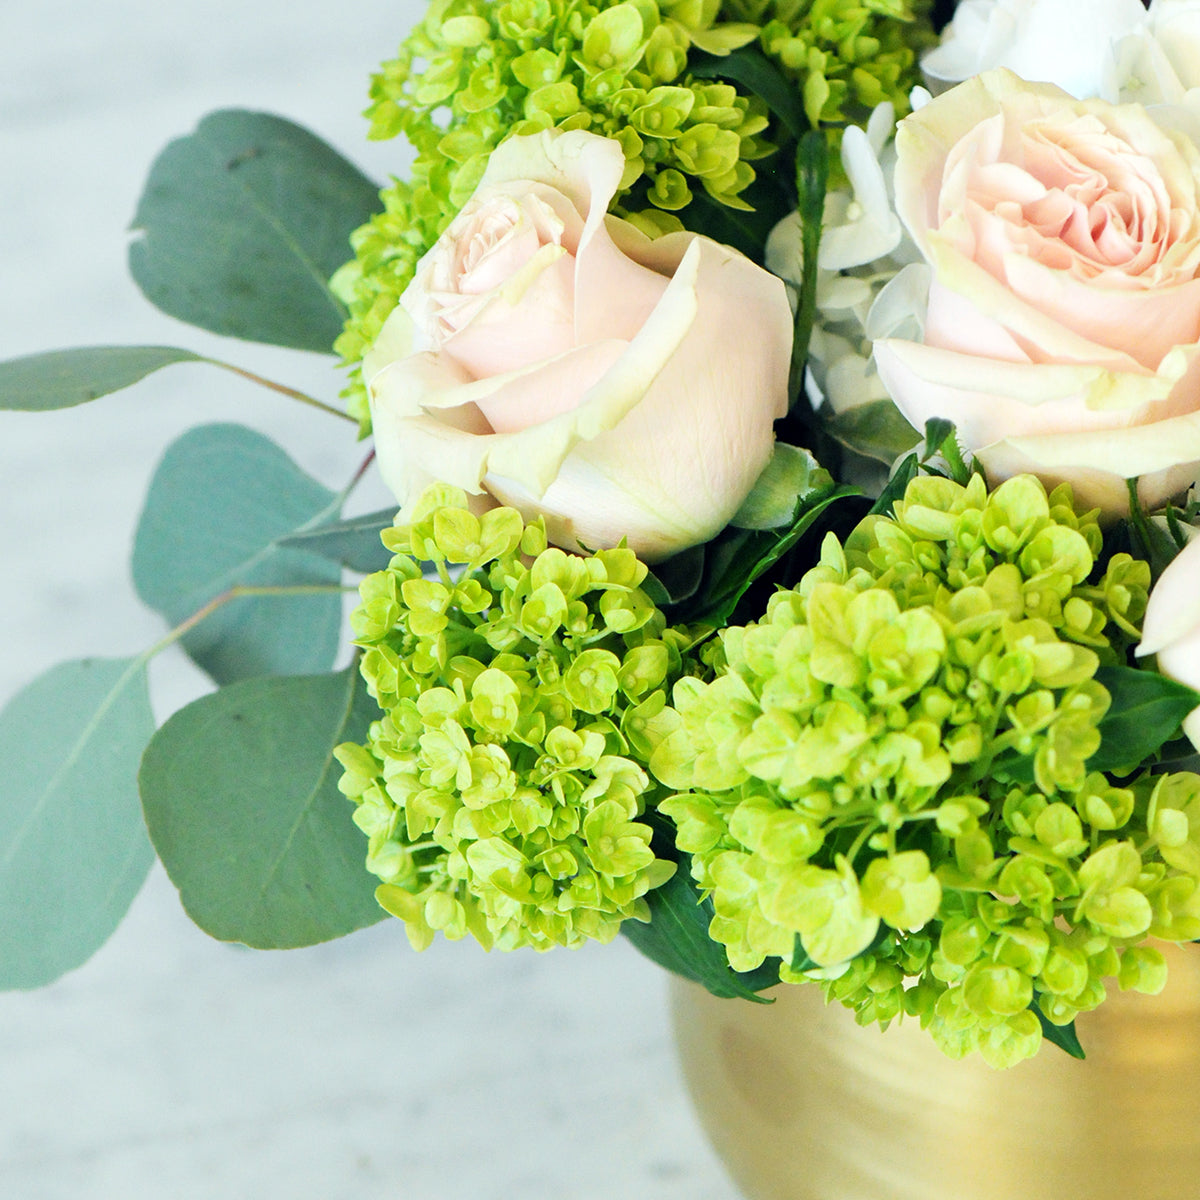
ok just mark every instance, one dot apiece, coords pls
pixel 172 1066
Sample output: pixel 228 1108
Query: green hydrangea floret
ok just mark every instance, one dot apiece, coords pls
pixel 523 691
pixel 886 785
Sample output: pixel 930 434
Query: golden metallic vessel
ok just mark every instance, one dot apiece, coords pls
pixel 803 1104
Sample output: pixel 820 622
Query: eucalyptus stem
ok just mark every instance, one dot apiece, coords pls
pixel 357 477
pixel 237 592
pixel 283 389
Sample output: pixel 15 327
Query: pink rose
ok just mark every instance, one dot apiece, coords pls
pixel 1064 315
pixel 1171 628
pixel 553 358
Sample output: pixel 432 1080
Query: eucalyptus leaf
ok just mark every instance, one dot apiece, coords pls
pixel 353 542
pixel 875 430
pixel 242 223
pixel 1062 1036
pixel 64 378
pixel 221 499
pixel 677 938
pixel 73 848
pixel 241 799
pixel 750 67
pixel 1146 712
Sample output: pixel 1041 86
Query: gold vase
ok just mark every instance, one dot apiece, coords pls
pixel 803 1104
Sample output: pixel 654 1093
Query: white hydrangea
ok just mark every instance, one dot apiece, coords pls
pixel 1111 49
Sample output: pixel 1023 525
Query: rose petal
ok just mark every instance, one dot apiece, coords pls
pixel 549 389
pixel 585 171
pixel 659 477
pixel 989 399
pixel 1145 325
pixel 501 336
pixel 615 294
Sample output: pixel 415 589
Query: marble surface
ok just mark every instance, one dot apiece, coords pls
pixel 170 1065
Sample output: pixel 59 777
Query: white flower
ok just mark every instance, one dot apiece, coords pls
pixel 1073 43
pixel 1171 628
pixel 1175 25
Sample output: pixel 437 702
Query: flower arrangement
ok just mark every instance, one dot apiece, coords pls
pixel 791 565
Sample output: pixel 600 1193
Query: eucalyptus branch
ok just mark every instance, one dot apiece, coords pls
pixel 238 592
pixel 282 389
pixel 356 478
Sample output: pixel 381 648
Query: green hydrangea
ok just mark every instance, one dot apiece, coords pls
pixel 886 783
pixel 522 690
pixel 846 56
pixel 475 72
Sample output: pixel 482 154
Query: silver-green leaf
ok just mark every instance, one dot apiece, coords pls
pixel 64 378
pixel 221 498
pixel 353 542
pixel 242 223
pixel 73 848
pixel 241 800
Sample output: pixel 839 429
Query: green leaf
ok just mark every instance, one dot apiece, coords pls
pixel 241 800
pixel 677 938
pixel 791 476
pixel 756 73
pixel 1149 540
pixel 746 231
pixel 736 558
pixel 243 222
pixel 677 578
pixel 1146 712
pixel 73 849
pixel 64 378
pixel 941 438
pixel 902 476
pixel 876 430
pixel 353 542
pixel 221 498
pixel 1062 1036
pixel 801 959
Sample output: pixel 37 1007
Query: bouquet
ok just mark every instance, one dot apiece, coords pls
pixel 790 566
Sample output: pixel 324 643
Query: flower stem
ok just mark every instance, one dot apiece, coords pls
pixel 282 389
pixel 237 592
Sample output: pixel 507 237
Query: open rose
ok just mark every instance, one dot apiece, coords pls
pixel 1064 313
pixel 556 359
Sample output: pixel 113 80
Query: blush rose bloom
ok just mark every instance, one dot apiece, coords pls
pixel 1063 319
pixel 553 358
pixel 1171 628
